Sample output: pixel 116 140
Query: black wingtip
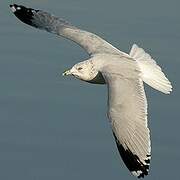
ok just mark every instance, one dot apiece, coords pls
pixel 132 161
pixel 11 5
pixel 23 13
pixel 15 7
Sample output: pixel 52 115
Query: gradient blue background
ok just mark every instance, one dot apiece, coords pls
pixel 54 127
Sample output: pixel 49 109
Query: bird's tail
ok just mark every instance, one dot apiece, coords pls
pixel 151 72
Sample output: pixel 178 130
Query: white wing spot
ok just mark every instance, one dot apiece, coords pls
pixel 18 8
pixel 13 9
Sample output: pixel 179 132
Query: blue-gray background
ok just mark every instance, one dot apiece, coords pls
pixel 54 127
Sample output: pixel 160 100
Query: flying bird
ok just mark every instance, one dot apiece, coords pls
pixel 124 75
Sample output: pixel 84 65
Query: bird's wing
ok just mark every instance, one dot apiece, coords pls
pixel 127 111
pixel 39 19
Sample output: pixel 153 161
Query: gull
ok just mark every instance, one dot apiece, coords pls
pixel 124 75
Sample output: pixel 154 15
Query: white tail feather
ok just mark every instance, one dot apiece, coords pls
pixel 151 72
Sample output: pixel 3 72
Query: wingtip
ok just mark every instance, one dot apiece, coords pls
pixel 23 13
pixel 15 7
pixel 12 7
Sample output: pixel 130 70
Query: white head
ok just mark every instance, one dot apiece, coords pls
pixel 84 71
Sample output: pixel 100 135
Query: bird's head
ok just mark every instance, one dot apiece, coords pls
pixel 84 71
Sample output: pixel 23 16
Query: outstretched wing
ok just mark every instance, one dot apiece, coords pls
pixel 127 111
pixel 39 19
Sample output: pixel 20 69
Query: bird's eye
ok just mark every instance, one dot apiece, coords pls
pixel 79 68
